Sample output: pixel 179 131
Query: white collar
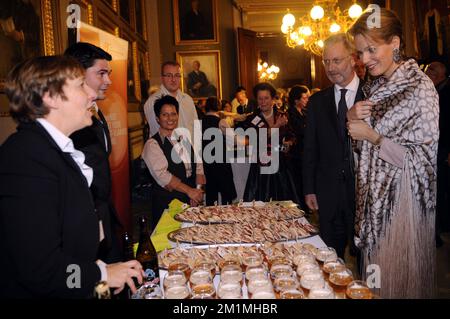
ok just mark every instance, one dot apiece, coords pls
pixel 63 141
pixel 164 91
pixel 352 86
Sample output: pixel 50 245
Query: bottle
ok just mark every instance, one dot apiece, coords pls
pixel 146 253
pixel 128 254
pixel 101 290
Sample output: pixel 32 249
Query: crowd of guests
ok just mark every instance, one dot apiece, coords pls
pixel 366 153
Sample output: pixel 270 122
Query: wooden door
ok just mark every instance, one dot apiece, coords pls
pixel 247 59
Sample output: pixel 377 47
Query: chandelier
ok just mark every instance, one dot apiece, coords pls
pixel 325 19
pixel 266 72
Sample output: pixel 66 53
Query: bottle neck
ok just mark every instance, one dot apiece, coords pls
pixel 144 231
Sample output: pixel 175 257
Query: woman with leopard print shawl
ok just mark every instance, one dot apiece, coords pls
pixel 396 178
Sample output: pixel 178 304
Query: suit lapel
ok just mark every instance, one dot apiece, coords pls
pixel 66 156
pixel 104 125
pixel 99 131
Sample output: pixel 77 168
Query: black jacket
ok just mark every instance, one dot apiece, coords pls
pixel 91 141
pixel 47 219
pixel 323 159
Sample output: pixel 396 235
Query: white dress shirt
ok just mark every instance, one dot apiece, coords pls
pixel 352 89
pixel 187 113
pixel 66 145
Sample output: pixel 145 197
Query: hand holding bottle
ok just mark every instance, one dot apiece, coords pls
pixel 120 274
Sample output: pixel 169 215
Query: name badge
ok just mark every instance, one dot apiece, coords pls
pixel 256 120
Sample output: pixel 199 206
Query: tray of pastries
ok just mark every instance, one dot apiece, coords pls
pixel 258 230
pixel 238 213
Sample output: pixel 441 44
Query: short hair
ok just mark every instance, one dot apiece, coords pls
pixel 166 99
pixel 171 63
pixel 224 103
pixel 441 66
pixel 29 80
pixel 212 104
pixel 296 93
pixel 264 87
pixel 340 38
pixel 87 53
pixel 390 26
pixel 239 89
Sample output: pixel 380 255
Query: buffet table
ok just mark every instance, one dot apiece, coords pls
pixel 313 240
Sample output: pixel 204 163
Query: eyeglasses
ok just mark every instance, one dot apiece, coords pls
pixel 170 75
pixel 335 61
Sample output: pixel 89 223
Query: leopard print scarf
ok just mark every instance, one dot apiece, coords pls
pixel 407 112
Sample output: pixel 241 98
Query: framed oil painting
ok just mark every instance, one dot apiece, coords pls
pixel 201 73
pixel 195 22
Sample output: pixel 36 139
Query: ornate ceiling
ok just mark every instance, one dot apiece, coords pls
pixel 265 16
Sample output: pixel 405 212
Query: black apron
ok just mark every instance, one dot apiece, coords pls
pixel 161 197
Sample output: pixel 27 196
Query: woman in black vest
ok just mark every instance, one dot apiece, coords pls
pixel 170 162
pixel 218 172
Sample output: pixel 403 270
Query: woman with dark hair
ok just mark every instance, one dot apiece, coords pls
pixel 297 100
pixel 396 177
pixel 218 172
pixel 49 229
pixel 270 176
pixel 171 162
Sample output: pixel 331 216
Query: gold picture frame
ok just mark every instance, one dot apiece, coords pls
pixel 199 26
pixel 112 4
pixel 13 36
pixel 133 77
pixel 141 19
pixel 209 65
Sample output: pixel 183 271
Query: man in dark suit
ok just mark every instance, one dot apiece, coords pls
pixel 95 142
pixel 328 176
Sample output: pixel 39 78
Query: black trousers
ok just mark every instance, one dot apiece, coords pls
pixel 338 230
pixel 219 180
